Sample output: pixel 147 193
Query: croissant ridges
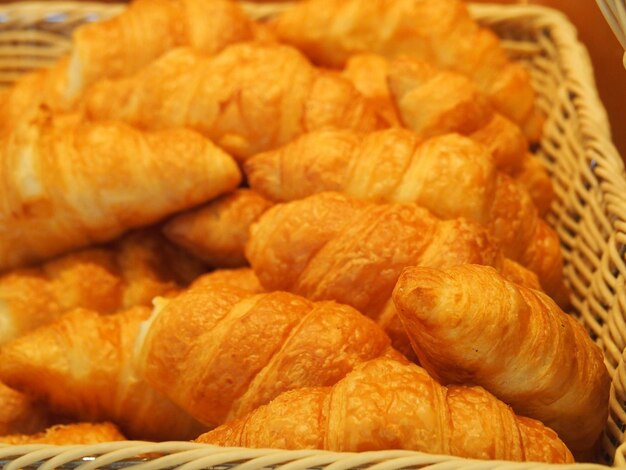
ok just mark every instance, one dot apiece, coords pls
pixel 66 183
pixel 388 404
pixel 218 231
pixel 249 98
pixel 468 324
pixel 82 366
pixel 220 351
pixel 69 434
pixel 332 247
pixel 449 175
pixel 130 271
pixel 438 31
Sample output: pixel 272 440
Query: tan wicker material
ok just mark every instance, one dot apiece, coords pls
pixel 589 215
pixel 615 13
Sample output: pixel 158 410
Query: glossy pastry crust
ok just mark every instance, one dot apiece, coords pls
pixel 387 404
pixel 69 434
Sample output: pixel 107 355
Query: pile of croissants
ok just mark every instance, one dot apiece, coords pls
pixel 322 230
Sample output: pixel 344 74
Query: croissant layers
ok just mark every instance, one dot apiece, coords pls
pixel 66 183
pixel 388 404
pixel 438 31
pixel 332 247
pixel 468 324
pixel 220 351
pixel 249 98
pixel 449 175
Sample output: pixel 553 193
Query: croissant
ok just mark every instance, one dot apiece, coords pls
pixel 19 413
pixel 331 247
pixel 368 74
pixel 148 29
pixel 219 351
pixel 433 102
pixel 242 278
pixel 448 175
pixel 249 98
pixel 438 31
pixel 65 183
pixel 69 434
pixel 82 366
pixel 468 324
pixel 217 232
pixel 129 272
pixel 388 404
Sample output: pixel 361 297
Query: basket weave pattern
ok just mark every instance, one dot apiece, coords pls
pixel 589 216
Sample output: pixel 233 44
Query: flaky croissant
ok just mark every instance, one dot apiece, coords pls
pixel 19 413
pixel 219 351
pixel 217 232
pixel 82 366
pixel 433 102
pixel 332 247
pixel 131 271
pixel 243 278
pixel 438 31
pixel 387 404
pixel 69 434
pixel 468 324
pixel 147 29
pixel 66 183
pixel 249 98
pixel 449 175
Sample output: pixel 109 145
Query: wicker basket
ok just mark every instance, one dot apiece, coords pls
pixel 589 215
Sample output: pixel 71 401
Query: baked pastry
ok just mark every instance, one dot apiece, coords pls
pixel 218 231
pixel 438 31
pixel 66 183
pixel 69 434
pixel 386 404
pixel 131 271
pixel 332 247
pixel 468 324
pixel 19 413
pixel 219 351
pixel 82 366
pixel 249 98
pixel 449 175
pixel 242 278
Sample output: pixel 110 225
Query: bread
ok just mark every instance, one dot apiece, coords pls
pixel 66 183
pixel 19 413
pixel 468 324
pixel 386 404
pixel 82 366
pixel 332 247
pixel 449 175
pixel 438 31
pixel 249 98
pixel 242 278
pixel 69 434
pixel 128 272
pixel 217 232
pixel 219 351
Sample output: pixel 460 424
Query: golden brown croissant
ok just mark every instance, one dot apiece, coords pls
pixel 218 232
pixel 433 102
pixel 131 271
pixel 82 366
pixel 449 175
pixel 386 404
pixel 468 324
pixel 148 28
pixel 331 247
pixel 219 351
pixel 65 183
pixel 60 435
pixel 249 98
pixel 19 413
pixel 368 73
pixel 243 278
pixel 438 31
